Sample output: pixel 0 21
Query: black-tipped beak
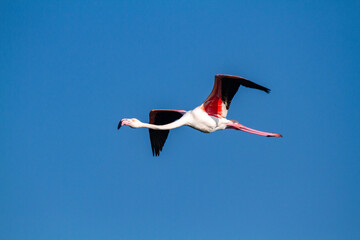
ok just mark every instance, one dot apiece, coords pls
pixel 119 125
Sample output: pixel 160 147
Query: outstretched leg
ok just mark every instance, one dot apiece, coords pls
pixel 238 126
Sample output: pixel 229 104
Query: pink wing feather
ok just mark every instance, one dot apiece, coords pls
pixel 225 88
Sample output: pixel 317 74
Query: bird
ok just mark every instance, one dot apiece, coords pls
pixel 210 116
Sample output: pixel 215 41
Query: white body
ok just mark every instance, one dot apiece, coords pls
pixel 200 120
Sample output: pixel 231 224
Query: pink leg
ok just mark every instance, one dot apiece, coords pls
pixel 238 126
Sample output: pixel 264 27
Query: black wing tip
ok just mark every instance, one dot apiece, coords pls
pixel 245 82
pixel 161 117
pixel 155 152
pixel 119 125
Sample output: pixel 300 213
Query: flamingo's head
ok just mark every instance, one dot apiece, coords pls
pixel 131 122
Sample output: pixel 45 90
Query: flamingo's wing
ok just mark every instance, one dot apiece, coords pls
pixel 225 88
pixel 161 117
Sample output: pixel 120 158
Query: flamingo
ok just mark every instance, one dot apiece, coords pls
pixel 210 116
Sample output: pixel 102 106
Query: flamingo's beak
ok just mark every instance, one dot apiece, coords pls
pixel 123 122
pixel 120 124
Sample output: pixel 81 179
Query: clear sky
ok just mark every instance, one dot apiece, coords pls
pixel 70 70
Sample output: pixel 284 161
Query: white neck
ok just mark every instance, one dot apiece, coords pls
pixel 178 123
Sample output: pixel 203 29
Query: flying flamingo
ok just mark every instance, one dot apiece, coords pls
pixel 208 117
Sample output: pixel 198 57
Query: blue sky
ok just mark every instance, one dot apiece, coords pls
pixel 70 70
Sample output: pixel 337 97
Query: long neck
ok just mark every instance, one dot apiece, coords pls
pixel 178 123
